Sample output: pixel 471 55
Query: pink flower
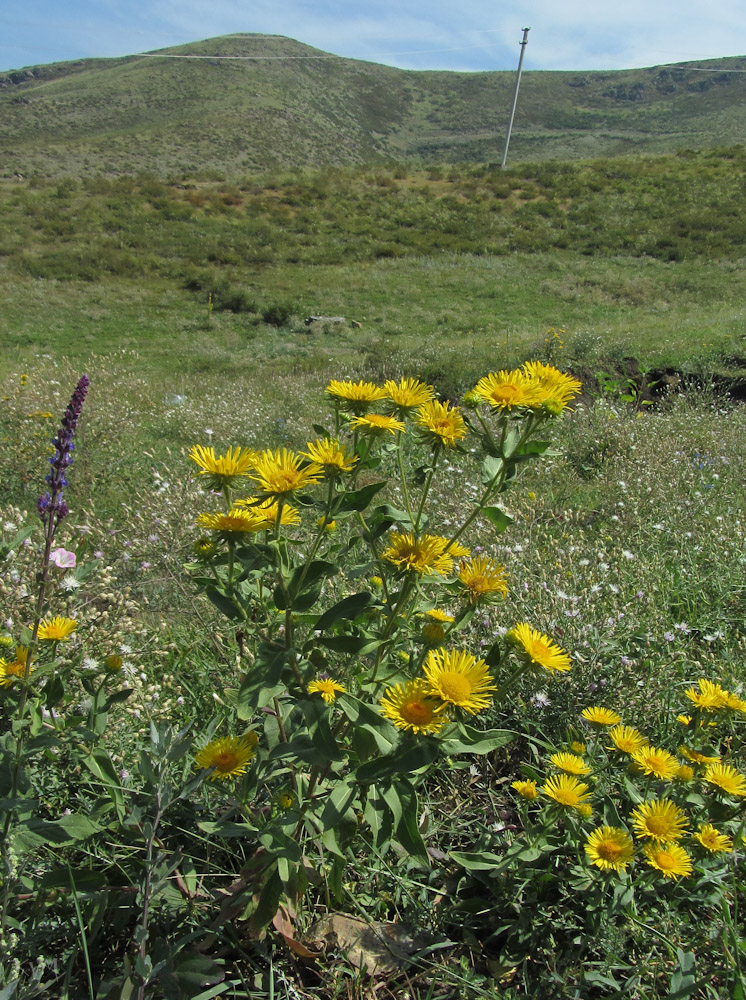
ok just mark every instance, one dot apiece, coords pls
pixel 62 558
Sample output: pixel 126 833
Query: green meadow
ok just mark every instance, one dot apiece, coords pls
pixel 185 815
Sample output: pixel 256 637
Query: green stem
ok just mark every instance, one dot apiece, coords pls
pixel 402 476
pixel 436 455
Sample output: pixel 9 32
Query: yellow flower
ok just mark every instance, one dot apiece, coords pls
pixel 570 763
pixel 433 633
pixel 577 747
pixel 412 706
pixel 566 790
pixel 658 763
pixel 113 663
pixel 440 424
pixel 280 472
pixel 627 739
pixel 670 859
pixel 439 616
pixel 585 809
pixel 710 697
pixel 355 397
pixel 696 757
pixel 56 629
pixel 229 756
pixel 322 522
pixel 526 789
pixel 484 579
pixel 327 688
pixel 377 424
pixel 659 819
pixel 538 649
pixel 12 670
pixel 505 390
pixel 235 522
pixel 327 453
pixel 609 848
pixel 407 394
pixel 727 778
pixel 684 773
pixel 554 389
pixel 712 840
pixel 424 555
pixel 601 716
pixel 222 469
pixel 265 512
pixel 459 678
pixel 203 548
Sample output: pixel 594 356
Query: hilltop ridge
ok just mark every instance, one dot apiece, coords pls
pixel 283 103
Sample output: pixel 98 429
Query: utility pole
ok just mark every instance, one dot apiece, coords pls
pixel 515 96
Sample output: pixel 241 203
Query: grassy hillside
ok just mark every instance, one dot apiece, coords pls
pixel 304 107
pixel 448 269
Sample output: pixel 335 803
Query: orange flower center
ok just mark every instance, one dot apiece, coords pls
pixel 658 825
pixel 417 713
pixel 609 850
pixel 226 760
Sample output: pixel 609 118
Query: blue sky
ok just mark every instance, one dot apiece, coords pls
pixel 463 35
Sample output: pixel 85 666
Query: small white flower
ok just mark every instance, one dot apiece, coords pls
pixel 69 582
pixel 89 663
pixel 626 554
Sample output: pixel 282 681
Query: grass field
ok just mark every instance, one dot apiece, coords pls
pixel 622 544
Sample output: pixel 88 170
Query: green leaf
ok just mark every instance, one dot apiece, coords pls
pixel 337 819
pixel 33 833
pixel 415 756
pixel 476 861
pixel 302 748
pixel 224 828
pixel 280 844
pixel 344 643
pixel 477 741
pixel 226 605
pixel 317 720
pixel 491 469
pixel 407 831
pixel 302 589
pixel 363 717
pixel 357 499
pixel 498 517
pixel 264 676
pixel 347 609
pixel 84 879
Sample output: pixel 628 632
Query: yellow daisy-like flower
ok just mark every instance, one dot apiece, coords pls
pixel 659 819
pixel 505 390
pixel 221 470
pixel 56 629
pixel 236 521
pixel 354 397
pixel 609 848
pixel 712 840
pixel 12 670
pixel 577 747
pixel 710 697
pixel 601 716
pixel 538 649
pixel 732 701
pixel 685 720
pixel 203 548
pixel 377 424
pixel 460 679
pixel 439 616
pixel 566 790
pixel 424 555
pixel 440 424
pixel 280 472
pixel 670 859
pixel 627 739
pixel 328 453
pixel 229 756
pixel 412 706
pixel 585 809
pixel 265 511
pixel 569 762
pixel 484 579
pixel 327 688
pixel 407 394
pixel 696 757
pixel 526 789
pixel 658 763
pixel 113 663
pixel 554 389
pixel 727 778
pixel 684 773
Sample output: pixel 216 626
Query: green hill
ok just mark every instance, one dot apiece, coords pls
pixel 304 107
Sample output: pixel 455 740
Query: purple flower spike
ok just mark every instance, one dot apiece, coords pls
pixel 52 508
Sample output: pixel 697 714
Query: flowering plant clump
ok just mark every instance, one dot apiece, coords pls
pixel 356 676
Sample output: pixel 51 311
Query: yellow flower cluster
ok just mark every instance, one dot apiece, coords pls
pixel 453 680
pixel 535 387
